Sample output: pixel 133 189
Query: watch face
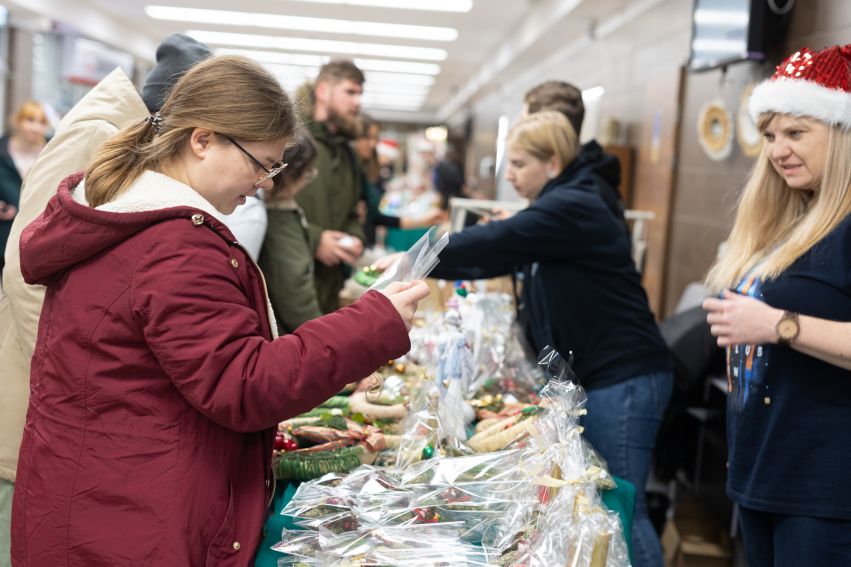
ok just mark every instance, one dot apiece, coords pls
pixel 787 329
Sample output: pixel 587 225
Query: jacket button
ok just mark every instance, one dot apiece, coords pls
pixel 197 219
pixel 234 262
pixel 236 545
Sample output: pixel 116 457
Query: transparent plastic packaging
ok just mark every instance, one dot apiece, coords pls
pixel 416 263
pixel 487 324
pixel 535 503
pixel 417 545
pixel 299 546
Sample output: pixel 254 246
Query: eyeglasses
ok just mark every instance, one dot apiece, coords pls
pixel 271 171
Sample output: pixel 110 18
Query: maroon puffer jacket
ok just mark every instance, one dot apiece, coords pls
pixel 156 386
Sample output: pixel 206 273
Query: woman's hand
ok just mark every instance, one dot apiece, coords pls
pixel 738 319
pixel 405 296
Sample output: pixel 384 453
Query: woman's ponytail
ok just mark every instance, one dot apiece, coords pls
pixel 119 162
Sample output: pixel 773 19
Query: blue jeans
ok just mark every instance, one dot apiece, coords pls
pixel 622 424
pixel 780 540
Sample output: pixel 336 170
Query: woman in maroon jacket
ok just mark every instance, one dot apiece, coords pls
pixel 157 379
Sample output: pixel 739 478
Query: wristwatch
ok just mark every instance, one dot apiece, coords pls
pixel 787 328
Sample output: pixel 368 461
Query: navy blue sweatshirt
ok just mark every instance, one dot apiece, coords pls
pixel 581 291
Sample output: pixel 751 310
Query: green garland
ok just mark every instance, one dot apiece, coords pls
pixel 336 402
pixel 307 466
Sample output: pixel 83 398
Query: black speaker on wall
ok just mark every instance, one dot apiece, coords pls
pixel 728 31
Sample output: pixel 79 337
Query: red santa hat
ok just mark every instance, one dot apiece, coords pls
pixel 809 83
pixel 388 148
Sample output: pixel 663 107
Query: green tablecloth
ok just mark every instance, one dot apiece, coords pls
pixel 400 239
pixel 620 500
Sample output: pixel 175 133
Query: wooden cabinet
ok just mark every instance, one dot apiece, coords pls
pixel 625 157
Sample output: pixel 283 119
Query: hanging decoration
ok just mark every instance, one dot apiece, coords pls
pixel 750 140
pixel 715 130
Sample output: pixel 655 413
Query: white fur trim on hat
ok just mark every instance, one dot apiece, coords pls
pixel 801 98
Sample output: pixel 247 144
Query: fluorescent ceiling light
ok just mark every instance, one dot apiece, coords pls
pixel 721 17
pixel 720 45
pixel 411 67
pixel 411 107
pixel 395 90
pixel 378 94
pixel 398 66
pixel 427 5
pixel 291 73
pixel 593 93
pixel 278 57
pixel 318 45
pixel 436 133
pixel 394 103
pixel 399 78
pixel 324 25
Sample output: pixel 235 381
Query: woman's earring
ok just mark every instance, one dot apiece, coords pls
pixel 551 174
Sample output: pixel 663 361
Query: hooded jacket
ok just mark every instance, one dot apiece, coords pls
pixel 157 382
pixel 286 259
pixel 112 103
pixel 581 291
pixel 330 203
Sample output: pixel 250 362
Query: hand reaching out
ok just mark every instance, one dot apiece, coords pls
pixel 383 263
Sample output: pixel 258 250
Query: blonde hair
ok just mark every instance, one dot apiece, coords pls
pixel 229 95
pixel 775 225
pixel 29 109
pixel 546 134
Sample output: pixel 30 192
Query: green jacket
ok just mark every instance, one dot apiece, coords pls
pixel 330 203
pixel 286 260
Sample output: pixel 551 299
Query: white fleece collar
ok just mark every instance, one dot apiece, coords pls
pixel 152 191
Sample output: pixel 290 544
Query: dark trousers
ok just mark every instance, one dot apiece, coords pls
pixel 780 540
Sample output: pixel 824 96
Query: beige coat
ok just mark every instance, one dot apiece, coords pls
pixel 113 103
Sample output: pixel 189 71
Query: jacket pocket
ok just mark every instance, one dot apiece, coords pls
pixel 224 543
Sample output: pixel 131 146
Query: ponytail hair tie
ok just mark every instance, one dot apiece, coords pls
pixel 155 120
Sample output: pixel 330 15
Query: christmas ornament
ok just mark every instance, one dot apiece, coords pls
pixel 428 452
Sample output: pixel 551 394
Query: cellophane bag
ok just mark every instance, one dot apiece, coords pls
pixel 564 523
pixel 420 430
pixel 416 263
pixel 408 545
pixel 487 320
pixel 300 546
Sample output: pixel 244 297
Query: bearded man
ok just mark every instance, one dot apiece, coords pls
pixel 330 200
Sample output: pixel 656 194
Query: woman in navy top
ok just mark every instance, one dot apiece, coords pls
pixel 786 277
